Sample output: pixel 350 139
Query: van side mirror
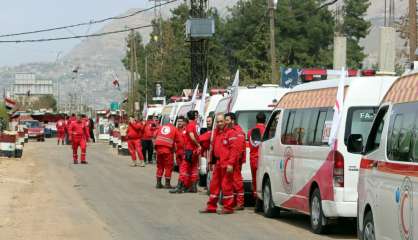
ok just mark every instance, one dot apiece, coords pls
pixel 355 143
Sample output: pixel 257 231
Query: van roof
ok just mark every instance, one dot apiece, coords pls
pixel 359 90
pixel 405 89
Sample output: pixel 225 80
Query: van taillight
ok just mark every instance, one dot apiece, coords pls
pixel 338 172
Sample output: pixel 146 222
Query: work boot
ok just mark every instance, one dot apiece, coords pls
pixel 167 184
pixel 84 162
pixel 223 212
pixel 75 162
pixel 159 184
pixel 133 164
pixel 239 208
pixel 207 211
pixel 142 164
pixel 193 188
pixel 179 188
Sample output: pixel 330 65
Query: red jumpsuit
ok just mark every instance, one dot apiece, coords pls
pixel 180 151
pixel 79 136
pixel 189 167
pixel 238 181
pixel 254 145
pixel 134 134
pixel 168 138
pixel 60 131
pixel 224 143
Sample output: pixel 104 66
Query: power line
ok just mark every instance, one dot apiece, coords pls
pixel 74 37
pixel 88 23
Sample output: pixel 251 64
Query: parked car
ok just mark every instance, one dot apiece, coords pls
pixel 35 130
pixel 388 180
pixel 297 169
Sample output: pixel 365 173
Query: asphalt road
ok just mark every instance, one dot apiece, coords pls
pixel 125 199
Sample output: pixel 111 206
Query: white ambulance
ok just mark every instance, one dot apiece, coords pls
pixel 246 103
pixel 388 181
pixel 297 170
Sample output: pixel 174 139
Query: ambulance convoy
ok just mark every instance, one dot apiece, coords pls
pixel 297 170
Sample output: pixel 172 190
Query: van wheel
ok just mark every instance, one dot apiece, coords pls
pixel 269 209
pixel 368 228
pixel 318 221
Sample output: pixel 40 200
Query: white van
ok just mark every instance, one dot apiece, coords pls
pixel 297 169
pixel 388 181
pixel 248 102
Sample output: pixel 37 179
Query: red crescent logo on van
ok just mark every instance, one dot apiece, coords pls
pixel 286 168
pixel 406 209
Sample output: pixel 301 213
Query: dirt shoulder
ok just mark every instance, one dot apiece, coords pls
pixel 39 201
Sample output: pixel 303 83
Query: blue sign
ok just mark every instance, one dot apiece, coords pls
pixel 289 77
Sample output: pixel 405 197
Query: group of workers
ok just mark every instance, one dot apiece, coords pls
pixel 77 131
pixel 184 144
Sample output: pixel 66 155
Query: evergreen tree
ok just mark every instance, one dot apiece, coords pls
pixel 355 27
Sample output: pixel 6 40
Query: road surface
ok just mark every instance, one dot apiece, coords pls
pixel 49 198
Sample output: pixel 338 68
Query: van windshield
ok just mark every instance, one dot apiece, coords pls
pixel 32 124
pixel 247 120
pixel 359 121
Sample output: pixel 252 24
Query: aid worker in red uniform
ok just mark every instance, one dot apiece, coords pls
pixel 230 120
pixel 254 136
pixel 224 157
pixel 60 131
pixel 146 142
pixel 181 128
pixel 189 168
pixel 133 135
pixel 167 142
pixel 79 135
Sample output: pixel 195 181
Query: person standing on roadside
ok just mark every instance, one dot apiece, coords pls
pixel 167 142
pixel 146 142
pixel 91 124
pixel 60 131
pixel 79 135
pixel 134 134
pixel 230 120
pixel 181 128
pixel 223 160
pixel 254 135
pixel 189 168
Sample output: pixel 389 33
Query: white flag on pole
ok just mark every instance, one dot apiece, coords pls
pixel 145 110
pixel 234 91
pixel 236 80
pixel 194 97
pixel 339 104
pixel 203 103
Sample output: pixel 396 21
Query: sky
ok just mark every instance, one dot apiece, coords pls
pixel 29 15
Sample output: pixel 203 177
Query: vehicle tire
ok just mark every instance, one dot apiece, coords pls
pixel 269 209
pixel 368 227
pixel 258 205
pixel 318 221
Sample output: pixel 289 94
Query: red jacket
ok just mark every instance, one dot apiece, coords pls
pixel 191 127
pixel 204 140
pixel 183 134
pixel 240 143
pixel 135 131
pixel 254 145
pixel 168 139
pixel 78 129
pixel 60 126
pixel 225 147
pixel 149 130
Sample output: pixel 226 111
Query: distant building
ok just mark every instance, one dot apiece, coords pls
pixel 26 84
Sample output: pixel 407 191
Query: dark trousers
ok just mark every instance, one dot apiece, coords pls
pixel 93 138
pixel 147 150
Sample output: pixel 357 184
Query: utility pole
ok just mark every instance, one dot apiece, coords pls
pixel 274 69
pixel 132 78
pixel 198 46
pixel 412 29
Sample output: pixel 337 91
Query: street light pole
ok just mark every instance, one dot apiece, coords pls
pixel 274 69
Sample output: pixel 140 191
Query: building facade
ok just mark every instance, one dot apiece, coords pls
pixel 26 84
